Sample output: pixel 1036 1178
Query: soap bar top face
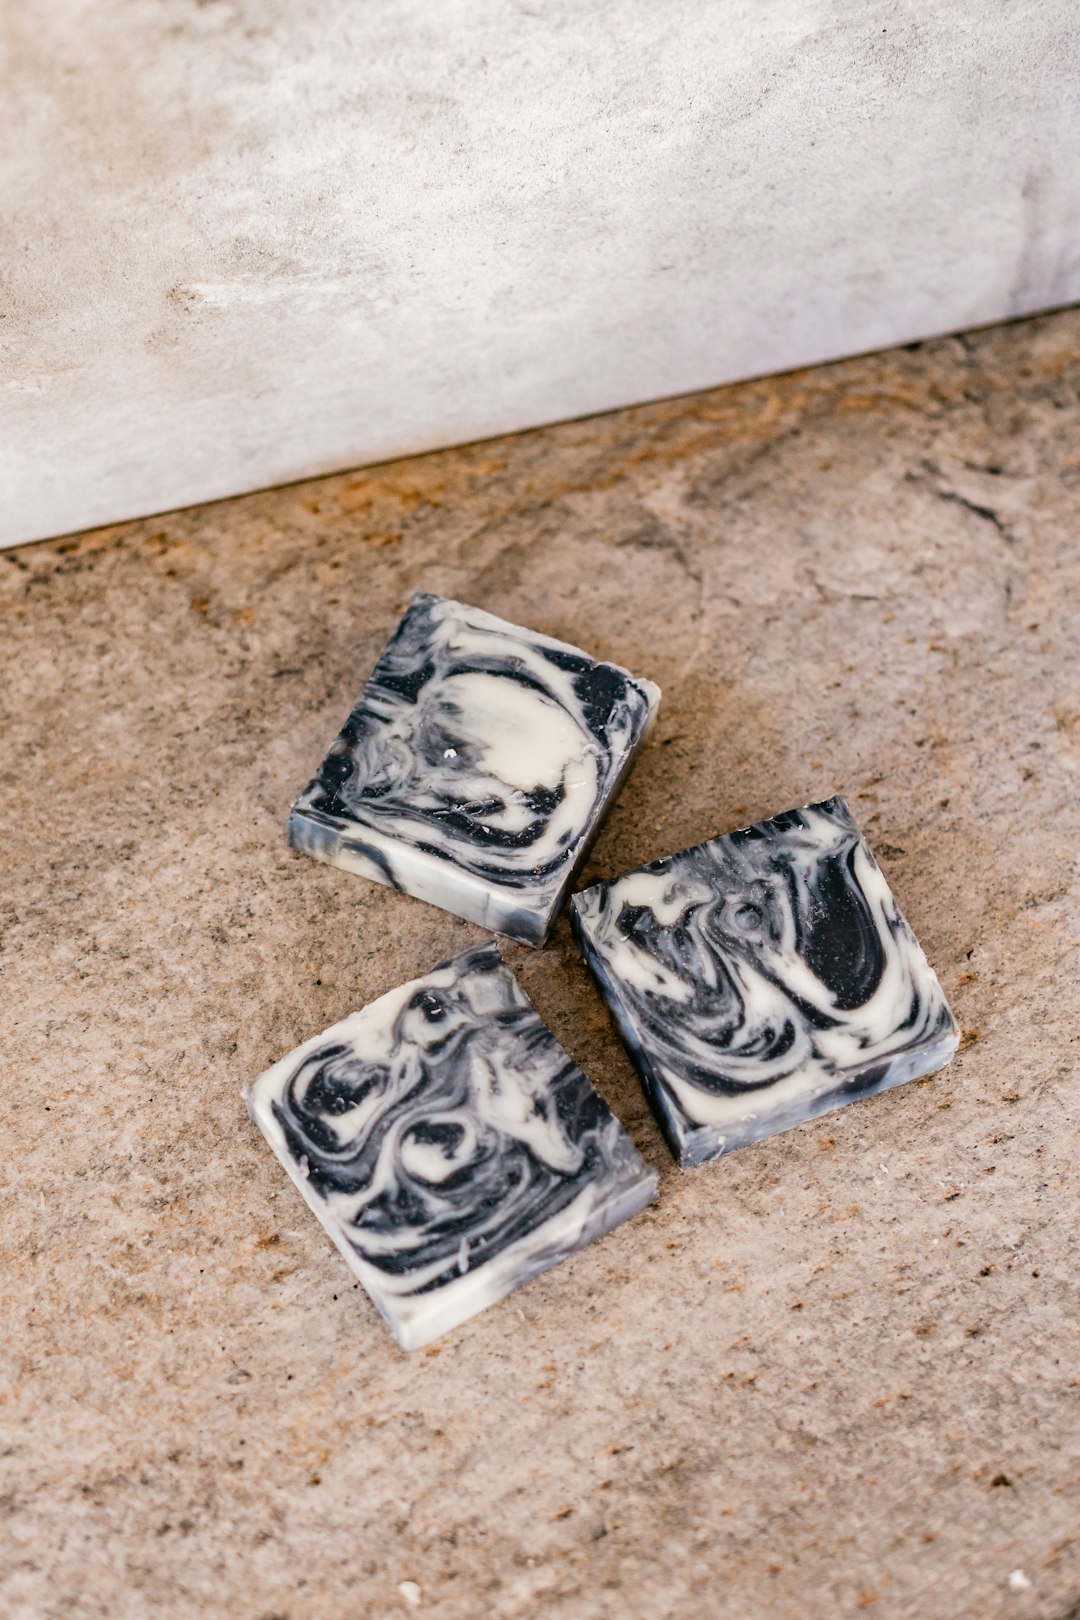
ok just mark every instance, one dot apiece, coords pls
pixel 763 978
pixel 449 1145
pixel 476 767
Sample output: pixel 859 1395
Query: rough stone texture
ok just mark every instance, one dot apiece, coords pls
pixel 244 241
pixel 836 1373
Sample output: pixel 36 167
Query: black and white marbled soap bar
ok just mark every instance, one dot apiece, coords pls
pixel 448 1144
pixel 763 978
pixel 476 768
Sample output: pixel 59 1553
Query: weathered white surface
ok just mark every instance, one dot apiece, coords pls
pixel 250 240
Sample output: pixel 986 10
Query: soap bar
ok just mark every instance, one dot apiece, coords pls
pixel 476 768
pixel 448 1144
pixel 763 978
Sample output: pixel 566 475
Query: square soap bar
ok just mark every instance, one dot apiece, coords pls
pixel 763 978
pixel 476 768
pixel 449 1145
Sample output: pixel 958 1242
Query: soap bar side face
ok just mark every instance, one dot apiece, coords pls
pixel 476 768
pixel 449 1146
pixel 762 978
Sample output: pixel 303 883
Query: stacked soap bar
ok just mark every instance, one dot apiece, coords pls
pixel 763 978
pixel 476 768
pixel 449 1145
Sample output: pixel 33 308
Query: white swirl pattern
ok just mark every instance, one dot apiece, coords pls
pixel 476 768
pixel 763 978
pixel 448 1144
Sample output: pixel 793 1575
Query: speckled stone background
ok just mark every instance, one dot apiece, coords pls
pixel 837 1373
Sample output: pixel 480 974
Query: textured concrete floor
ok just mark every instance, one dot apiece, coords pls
pixel 835 1374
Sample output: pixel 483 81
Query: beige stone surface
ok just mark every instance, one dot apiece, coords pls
pixel 834 1374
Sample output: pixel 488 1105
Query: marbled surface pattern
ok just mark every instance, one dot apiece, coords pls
pixel 833 1375
pixel 449 1145
pixel 476 767
pixel 762 978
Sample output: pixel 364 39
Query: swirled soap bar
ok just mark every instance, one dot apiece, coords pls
pixel 476 768
pixel 448 1144
pixel 763 978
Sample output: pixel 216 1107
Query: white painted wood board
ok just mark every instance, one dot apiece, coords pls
pixel 248 241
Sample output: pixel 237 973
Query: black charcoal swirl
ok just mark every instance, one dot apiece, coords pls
pixel 481 746
pixel 753 969
pixel 446 1137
